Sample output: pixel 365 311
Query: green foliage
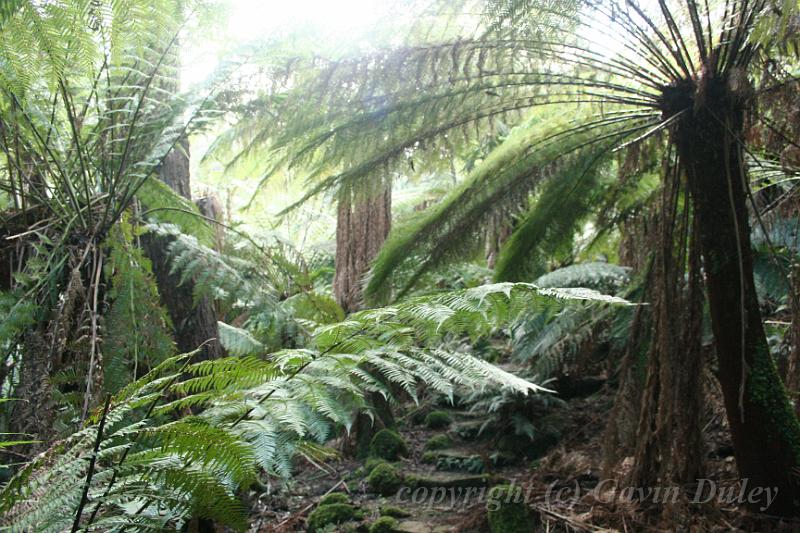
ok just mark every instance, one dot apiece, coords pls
pixel 136 326
pixel 238 341
pixel 388 444
pixel 438 419
pixel 385 480
pixel 531 155
pixel 472 464
pixel 171 470
pixel 551 337
pixel 606 278
pixel 546 232
pixel 272 286
pixel 16 314
pixel 166 206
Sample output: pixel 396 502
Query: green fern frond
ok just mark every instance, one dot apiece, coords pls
pixel 447 230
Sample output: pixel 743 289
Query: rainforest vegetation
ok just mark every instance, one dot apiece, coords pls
pixel 399 266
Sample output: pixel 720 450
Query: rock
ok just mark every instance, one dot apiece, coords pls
pixel 388 444
pixel 384 524
pixel 412 526
pixel 438 420
pixel 385 479
pixel 438 442
pixel 507 511
pixel 335 513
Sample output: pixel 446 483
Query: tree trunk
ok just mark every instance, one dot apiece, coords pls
pixel 668 439
pixel 793 365
pixel 362 224
pixel 765 431
pixel 193 322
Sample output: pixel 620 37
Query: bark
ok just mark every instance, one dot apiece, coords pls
pixel 498 231
pixel 765 431
pixel 363 221
pixel 669 443
pixel 793 365
pixel 194 322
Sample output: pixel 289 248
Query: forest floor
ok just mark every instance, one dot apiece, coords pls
pixel 563 482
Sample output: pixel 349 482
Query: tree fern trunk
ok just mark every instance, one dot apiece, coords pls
pixel 766 433
pixel 362 224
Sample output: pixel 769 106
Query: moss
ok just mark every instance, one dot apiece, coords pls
pixel 767 389
pixel 430 457
pixel 438 420
pixel 507 511
pixel 335 513
pixel 385 479
pixel 334 497
pixel 388 444
pixel 384 524
pixel 438 442
pixel 394 512
pixel 372 462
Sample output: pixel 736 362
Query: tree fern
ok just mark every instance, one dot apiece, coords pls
pixel 549 339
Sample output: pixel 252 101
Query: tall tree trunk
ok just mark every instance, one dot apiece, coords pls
pixel 193 322
pixel 363 221
pixel 765 431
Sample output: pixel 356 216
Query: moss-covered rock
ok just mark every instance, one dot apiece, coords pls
pixel 335 513
pixel 385 479
pixel 438 442
pixel 388 444
pixel 384 524
pixel 372 462
pixel 334 497
pixel 394 512
pixel 507 511
pixel 430 457
pixel 438 419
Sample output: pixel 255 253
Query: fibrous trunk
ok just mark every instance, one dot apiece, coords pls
pixel 364 218
pixel 765 431
pixel 669 444
pixel 194 322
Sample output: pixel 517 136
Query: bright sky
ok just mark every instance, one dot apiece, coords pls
pixel 249 20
